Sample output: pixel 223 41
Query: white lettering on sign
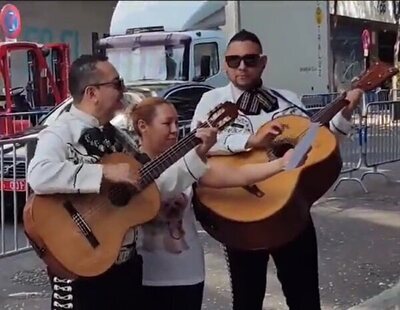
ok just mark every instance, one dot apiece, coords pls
pixel 308 69
pixel 10 186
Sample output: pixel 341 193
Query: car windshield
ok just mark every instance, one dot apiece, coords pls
pixel 156 62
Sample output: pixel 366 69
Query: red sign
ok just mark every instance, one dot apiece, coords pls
pixel 10 185
pixel 366 39
pixel 10 20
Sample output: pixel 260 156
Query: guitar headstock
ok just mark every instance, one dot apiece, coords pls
pixel 377 73
pixel 223 115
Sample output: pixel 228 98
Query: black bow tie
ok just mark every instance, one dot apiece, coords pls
pixel 100 141
pixel 252 101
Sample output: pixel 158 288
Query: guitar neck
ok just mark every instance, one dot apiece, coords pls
pixel 328 112
pixel 154 168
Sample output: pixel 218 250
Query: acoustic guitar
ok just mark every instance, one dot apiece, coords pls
pixel 273 212
pixel 80 235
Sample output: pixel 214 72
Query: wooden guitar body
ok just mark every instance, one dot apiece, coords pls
pixel 60 237
pixel 242 220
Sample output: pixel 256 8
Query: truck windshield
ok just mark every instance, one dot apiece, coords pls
pixel 156 62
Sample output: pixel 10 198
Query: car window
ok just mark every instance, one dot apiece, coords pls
pixel 185 99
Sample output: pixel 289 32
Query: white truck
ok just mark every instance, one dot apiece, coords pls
pixel 171 42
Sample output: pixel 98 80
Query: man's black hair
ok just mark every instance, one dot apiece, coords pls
pixel 244 35
pixel 82 73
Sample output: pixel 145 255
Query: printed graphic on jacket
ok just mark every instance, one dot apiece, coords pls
pixel 168 227
pixel 100 141
pixel 242 124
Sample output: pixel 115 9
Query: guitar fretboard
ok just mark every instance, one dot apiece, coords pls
pixel 153 169
pixel 328 112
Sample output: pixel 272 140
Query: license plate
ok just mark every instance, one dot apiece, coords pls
pixel 11 185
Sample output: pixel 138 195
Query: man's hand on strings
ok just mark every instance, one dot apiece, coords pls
pixel 264 137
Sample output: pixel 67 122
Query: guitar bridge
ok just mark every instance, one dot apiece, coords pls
pixel 254 189
pixel 81 223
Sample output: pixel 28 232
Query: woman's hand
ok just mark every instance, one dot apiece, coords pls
pixel 286 158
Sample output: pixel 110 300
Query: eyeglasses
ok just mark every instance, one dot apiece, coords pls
pixel 250 60
pixel 118 84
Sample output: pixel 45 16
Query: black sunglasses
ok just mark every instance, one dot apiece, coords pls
pixel 118 83
pixel 250 60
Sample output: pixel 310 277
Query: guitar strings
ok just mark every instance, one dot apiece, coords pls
pixel 146 169
pixel 179 144
pixel 321 113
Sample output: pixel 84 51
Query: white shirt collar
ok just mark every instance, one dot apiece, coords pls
pixel 85 117
pixel 236 92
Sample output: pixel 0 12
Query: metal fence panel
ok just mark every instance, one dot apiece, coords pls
pixel 13 194
pixel 351 146
pixel 315 102
pixel 16 122
pixel 382 132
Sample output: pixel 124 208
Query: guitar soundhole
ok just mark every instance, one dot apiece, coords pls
pixel 280 147
pixel 120 194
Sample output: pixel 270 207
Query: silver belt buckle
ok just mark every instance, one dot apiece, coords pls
pixel 124 255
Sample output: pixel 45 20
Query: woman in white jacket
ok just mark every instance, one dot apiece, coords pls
pixel 173 259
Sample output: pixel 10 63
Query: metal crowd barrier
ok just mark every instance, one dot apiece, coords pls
pixel 376 141
pixel 373 140
pixel 184 128
pixel 315 102
pixel 13 195
pixel 16 122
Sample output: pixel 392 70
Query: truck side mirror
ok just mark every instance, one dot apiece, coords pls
pixel 204 69
pixel 95 39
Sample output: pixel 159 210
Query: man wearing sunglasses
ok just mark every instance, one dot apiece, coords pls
pixel 296 262
pixel 66 161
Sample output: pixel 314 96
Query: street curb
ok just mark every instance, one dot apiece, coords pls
pixel 387 300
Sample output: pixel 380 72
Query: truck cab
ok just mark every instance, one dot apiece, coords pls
pixel 149 45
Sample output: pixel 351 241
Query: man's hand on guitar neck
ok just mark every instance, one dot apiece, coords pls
pixel 208 137
pixel 354 98
pixel 263 138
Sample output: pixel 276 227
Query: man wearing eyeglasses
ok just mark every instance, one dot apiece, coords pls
pixel 66 161
pixel 296 262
